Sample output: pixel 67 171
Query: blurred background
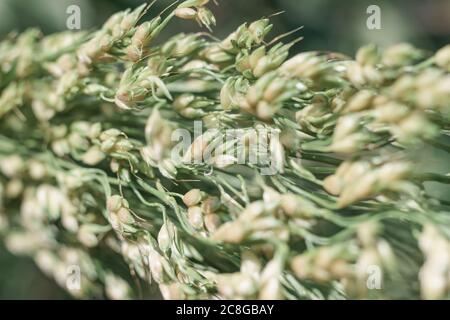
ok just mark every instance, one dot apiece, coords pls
pixel 332 25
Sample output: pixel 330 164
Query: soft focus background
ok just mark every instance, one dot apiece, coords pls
pixel 333 25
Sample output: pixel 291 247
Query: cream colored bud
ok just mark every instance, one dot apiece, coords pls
pixel 192 197
pixel 442 58
pixel 185 13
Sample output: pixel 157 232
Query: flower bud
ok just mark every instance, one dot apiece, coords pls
pixel 185 13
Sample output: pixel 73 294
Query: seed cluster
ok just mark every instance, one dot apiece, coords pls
pixel 88 180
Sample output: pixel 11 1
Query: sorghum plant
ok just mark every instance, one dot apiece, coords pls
pixel 88 176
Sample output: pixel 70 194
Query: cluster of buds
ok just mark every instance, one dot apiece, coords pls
pixel 203 211
pixel 120 216
pixel 435 273
pixel 265 98
pixel 358 180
